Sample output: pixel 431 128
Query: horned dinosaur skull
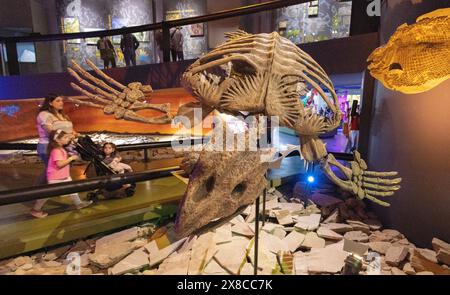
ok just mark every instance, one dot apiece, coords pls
pixel 221 183
pixel 262 74
pixel 416 57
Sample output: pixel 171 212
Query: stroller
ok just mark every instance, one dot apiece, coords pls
pixel 91 152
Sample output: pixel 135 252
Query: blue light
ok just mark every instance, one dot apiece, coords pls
pixel 311 179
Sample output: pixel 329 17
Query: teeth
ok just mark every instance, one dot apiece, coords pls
pixel 214 79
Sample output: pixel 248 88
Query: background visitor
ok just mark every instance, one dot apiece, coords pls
pixel 352 143
pixel 107 52
pixel 176 44
pixel 128 45
pixel 159 41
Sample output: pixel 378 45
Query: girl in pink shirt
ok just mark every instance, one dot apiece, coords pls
pixel 58 170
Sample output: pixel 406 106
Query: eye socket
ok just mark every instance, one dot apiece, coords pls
pixel 204 190
pixel 239 190
pixel 395 66
pixel 210 183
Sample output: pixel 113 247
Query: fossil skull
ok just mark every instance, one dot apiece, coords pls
pixel 220 183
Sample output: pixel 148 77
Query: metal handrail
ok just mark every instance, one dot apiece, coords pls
pixel 153 145
pixel 6 146
pixel 51 190
pixel 270 5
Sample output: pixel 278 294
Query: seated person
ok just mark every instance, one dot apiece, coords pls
pixel 113 159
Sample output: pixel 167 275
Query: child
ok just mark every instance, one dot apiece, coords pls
pixel 113 159
pixel 58 170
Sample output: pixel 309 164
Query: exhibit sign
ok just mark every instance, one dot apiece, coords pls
pixel 71 25
pixel 196 30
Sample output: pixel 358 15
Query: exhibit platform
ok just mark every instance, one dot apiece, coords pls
pixel 154 199
pixel 20 233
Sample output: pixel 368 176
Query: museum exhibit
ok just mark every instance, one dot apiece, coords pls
pixel 240 137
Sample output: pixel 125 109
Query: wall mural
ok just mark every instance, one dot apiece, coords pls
pixel 9 110
pixel 331 21
pixel 94 15
pixel 194 40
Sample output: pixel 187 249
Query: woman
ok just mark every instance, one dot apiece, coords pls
pixel 354 129
pixel 51 117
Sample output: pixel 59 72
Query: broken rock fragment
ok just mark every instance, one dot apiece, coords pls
pixel 272 242
pixel 380 247
pixel 439 244
pixel 223 234
pixel 133 262
pixel 286 262
pixel 395 255
pixel 213 268
pixel 105 257
pixel 420 264
pixel 357 236
pixel 338 227
pixel 243 228
pixel 158 255
pixel 293 240
pixel 203 250
pixel 359 226
pixel 308 223
pixel 330 259
pixel 284 217
pixel 428 254
pixel 408 269
pixel 333 217
pixel 231 256
pixel 313 241
pixel 175 264
pixel 397 272
pixel 443 256
pixel 119 237
pixel 326 233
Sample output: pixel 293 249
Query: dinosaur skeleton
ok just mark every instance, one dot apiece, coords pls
pixel 262 74
pixel 122 104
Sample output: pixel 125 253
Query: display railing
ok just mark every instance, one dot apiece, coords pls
pixel 51 190
pixel 6 146
pixel 44 191
pixel 10 43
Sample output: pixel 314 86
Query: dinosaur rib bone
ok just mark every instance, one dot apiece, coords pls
pixel 104 76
